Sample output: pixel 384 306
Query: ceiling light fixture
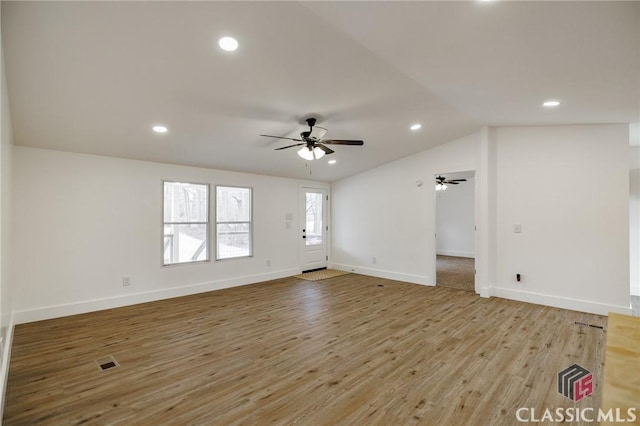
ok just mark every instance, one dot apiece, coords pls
pixel 440 186
pixel 306 153
pixel 551 103
pixel 228 43
pixel 415 126
pixel 318 153
pixel 159 129
pixel 310 154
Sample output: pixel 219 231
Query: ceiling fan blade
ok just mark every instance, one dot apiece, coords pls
pixel 451 182
pixel 342 142
pixel 318 132
pixel 280 137
pixel 290 146
pixel 458 180
pixel 326 150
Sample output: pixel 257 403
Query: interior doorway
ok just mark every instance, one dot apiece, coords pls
pixel 455 230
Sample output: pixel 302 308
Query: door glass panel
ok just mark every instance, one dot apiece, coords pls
pixel 314 219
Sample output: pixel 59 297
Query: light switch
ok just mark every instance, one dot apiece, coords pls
pixel 517 228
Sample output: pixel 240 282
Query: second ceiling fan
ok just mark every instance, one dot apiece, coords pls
pixel 313 146
pixel 441 182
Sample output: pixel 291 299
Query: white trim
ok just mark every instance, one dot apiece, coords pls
pixel 398 276
pixel 559 302
pixel 4 367
pixel 56 311
pixel 455 253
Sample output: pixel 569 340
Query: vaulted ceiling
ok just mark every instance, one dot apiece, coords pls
pixel 94 77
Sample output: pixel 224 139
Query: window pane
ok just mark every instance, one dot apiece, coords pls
pixel 234 240
pixel 233 204
pixel 186 202
pixel 185 243
pixel 314 219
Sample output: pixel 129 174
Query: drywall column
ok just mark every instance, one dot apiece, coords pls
pixel 485 213
pixel 634 220
pixel 6 319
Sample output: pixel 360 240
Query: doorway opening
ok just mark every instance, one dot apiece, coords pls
pixel 455 230
pixel 313 236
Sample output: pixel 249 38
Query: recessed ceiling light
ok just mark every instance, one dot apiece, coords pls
pixel 415 126
pixel 551 103
pixel 332 161
pixel 159 129
pixel 228 43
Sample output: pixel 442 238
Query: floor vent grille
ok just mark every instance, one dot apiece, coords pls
pixel 107 363
pixel 589 325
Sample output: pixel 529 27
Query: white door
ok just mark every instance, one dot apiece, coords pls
pixel 313 235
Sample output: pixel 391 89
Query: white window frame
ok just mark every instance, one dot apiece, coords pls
pixel 250 222
pixel 207 225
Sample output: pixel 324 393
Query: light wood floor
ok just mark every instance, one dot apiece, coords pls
pixel 347 350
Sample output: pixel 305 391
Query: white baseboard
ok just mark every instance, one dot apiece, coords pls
pixel 559 302
pixel 484 292
pixel 85 306
pixel 456 253
pixel 391 275
pixel 4 364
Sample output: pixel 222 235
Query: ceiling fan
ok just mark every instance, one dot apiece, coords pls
pixel 441 182
pixel 313 146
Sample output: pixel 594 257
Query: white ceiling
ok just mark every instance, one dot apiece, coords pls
pixel 93 77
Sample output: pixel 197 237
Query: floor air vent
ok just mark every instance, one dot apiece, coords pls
pixel 107 363
pixel 589 325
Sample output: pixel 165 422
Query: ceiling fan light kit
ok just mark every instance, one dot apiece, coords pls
pixel 313 146
pixel 441 182
pixel 311 154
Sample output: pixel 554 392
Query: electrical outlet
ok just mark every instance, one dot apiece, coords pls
pixel 374 260
pixel 268 263
pixel 126 281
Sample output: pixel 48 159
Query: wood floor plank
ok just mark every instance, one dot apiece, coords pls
pixel 346 350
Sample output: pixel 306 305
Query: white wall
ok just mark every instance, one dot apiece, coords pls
pixel 567 186
pixel 634 219
pixel 383 214
pixel 455 219
pixel 6 143
pixel 83 222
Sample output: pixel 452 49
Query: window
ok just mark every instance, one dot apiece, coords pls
pixel 186 223
pixel 233 222
pixel 313 226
